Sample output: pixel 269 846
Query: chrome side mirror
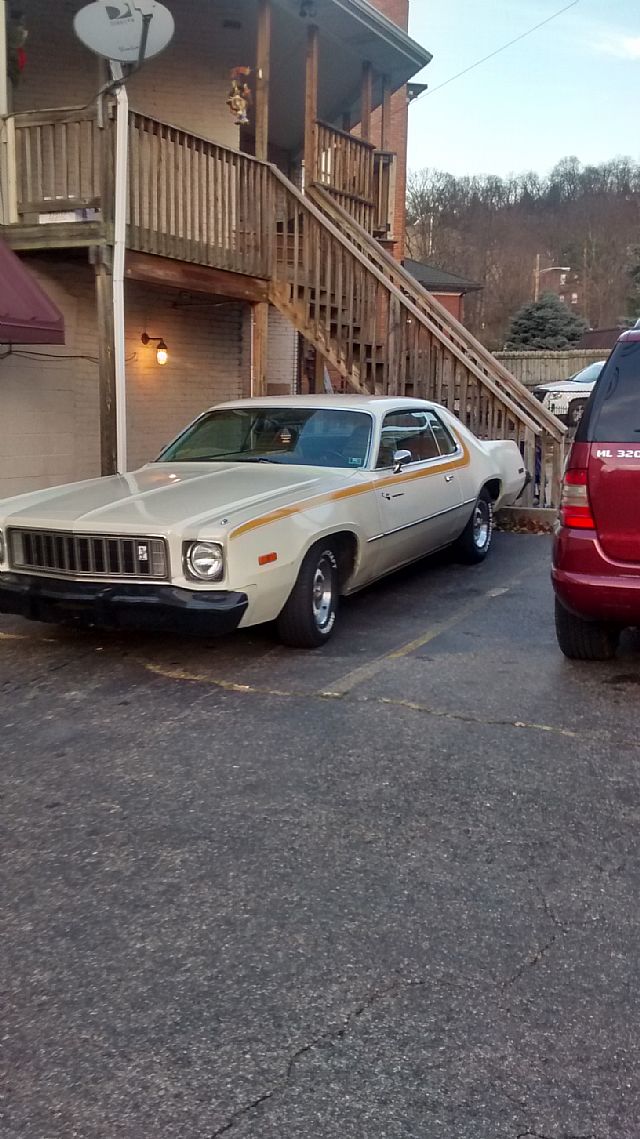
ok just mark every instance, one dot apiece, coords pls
pixel 400 460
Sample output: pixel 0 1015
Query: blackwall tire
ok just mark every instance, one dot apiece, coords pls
pixel 309 617
pixel 584 640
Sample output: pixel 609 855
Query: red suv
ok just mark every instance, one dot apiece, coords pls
pixel 596 554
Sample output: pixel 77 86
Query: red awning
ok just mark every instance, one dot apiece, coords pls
pixel 27 315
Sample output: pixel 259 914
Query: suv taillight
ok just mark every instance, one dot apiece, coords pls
pixel 575 510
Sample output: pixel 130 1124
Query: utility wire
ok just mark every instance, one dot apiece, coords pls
pixel 498 50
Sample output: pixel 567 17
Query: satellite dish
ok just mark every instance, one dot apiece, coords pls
pixel 128 31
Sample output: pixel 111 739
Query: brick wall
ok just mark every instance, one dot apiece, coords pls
pixel 49 404
pixel 187 85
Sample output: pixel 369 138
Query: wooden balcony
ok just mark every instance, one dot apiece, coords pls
pixel 189 198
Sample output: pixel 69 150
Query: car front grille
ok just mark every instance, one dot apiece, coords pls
pixel 88 555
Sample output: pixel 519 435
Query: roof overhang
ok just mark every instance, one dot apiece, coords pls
pixel 350 33
pixel 27 314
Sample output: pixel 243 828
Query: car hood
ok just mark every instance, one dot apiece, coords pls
pixel 165 495
pixel 566 386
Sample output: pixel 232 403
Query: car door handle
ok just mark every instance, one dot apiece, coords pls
pixel 448 478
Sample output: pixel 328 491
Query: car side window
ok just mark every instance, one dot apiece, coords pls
pixel 446 443
pixel 420 432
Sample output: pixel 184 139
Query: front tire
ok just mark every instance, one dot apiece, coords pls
pixel 584 640
pixel 309 616
pixel 475 540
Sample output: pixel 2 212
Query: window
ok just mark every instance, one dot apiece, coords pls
pixel 307 436
pixel 614 416
pixel 421 432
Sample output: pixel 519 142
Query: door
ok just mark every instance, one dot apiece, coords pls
pixel 612 430
pixel 420 506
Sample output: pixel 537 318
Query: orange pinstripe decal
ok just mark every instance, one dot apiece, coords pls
pixel 351 491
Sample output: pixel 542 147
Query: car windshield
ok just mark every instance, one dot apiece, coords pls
pixel 589 374
pixel 310 436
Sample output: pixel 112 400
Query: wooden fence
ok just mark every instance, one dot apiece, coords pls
pixel 533 368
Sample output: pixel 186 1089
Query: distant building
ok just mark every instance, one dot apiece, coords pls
pixel 447 288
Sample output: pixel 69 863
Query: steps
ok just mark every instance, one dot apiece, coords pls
pixel 384 333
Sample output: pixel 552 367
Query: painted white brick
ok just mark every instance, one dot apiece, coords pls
pixel 49 404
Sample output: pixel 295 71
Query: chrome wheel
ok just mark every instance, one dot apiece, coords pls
pixel 323 593
pixel 482 524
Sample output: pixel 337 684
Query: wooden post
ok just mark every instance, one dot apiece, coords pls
pixel 106 362
pixel 318 373
pixel 5 85
pixel 311 108
pixel 259 349
pixel 385 130
pixel 263 76
pixel 366 101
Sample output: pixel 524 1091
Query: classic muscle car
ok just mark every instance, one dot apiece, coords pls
pixel 261 510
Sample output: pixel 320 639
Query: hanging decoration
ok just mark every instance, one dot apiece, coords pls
pixel 239 99
pixel 17 35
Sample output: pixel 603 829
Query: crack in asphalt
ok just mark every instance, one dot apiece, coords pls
pixel 292 694
pixel 327 1037
pixel 530 963
pixel 565 1135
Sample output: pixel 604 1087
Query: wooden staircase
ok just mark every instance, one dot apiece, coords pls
pixel 385 334
pixel 200 203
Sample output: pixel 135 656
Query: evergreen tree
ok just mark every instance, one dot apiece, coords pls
pixel 545 324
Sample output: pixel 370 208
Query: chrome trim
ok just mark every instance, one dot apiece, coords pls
pixel 421 521
pixel 78 555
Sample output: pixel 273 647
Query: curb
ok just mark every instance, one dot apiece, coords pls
pixel 526 519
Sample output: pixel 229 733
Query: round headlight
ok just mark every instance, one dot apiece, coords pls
pixel 205 561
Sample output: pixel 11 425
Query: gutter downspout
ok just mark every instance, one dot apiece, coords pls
pixel 119 247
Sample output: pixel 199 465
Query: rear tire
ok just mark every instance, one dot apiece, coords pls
pixel 475 540
pixel 309 616
pixel 584 640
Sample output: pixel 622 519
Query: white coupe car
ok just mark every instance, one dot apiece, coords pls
pixel 261 510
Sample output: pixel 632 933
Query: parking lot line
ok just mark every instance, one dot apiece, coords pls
pixel 367 671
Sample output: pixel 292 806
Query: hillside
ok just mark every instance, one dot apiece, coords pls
pixel 491 229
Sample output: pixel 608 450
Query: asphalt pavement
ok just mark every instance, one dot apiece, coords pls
pixel 386 890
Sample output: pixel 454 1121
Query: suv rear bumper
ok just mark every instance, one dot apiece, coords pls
pixel 590 584
pixel 120 605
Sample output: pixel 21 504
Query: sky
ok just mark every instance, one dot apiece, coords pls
pixel 570 88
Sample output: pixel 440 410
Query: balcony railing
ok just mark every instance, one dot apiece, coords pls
pixel 189 198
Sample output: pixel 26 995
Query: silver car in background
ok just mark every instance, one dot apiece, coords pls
pixel 567 398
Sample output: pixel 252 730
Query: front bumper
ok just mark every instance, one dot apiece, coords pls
pixel 120 605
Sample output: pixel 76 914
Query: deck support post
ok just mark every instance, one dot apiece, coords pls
pixel 385 125
pixel 263 77
pixel 259 348
pixel 106 359
pixel 366 101
pixel 311 108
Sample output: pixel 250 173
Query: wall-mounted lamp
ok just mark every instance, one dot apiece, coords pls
pixel 162 352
